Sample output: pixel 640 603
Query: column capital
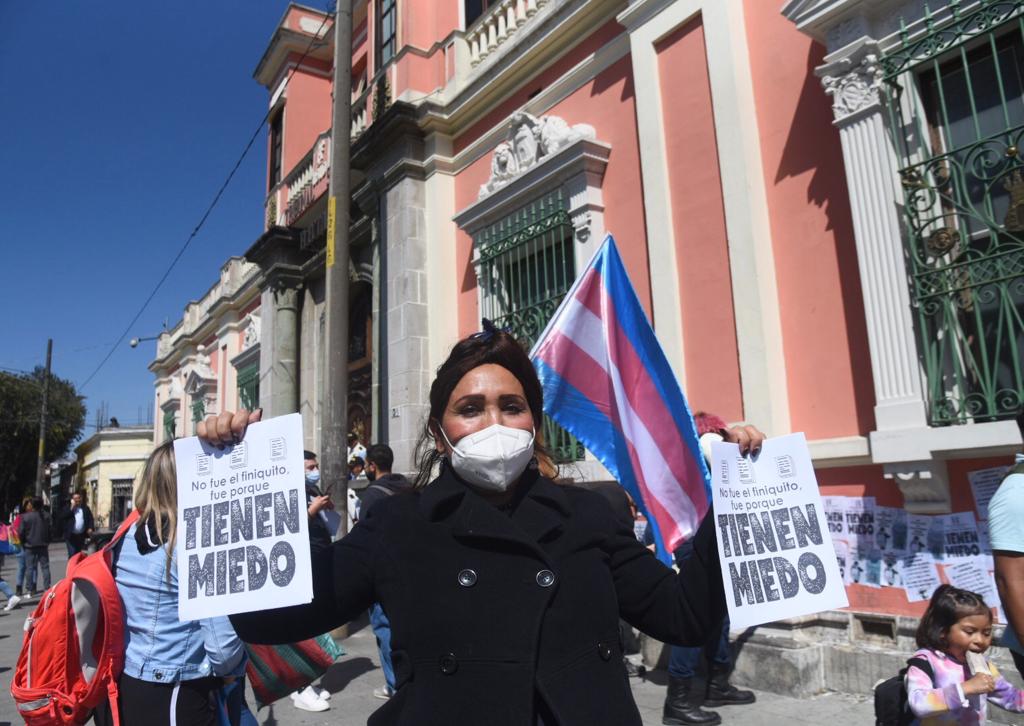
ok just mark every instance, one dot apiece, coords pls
pixel 854 82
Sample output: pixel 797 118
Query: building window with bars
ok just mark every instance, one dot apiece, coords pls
pixel 276 148
pixel 475 8
pixel 387 30
pixel 170 425
pixel 121 500
pixel 249 387
pixel 956 107
pixel 525 264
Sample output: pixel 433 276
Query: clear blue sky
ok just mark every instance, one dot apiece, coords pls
pixel 118 122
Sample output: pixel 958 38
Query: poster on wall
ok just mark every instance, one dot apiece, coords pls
pixel 891 530
pixel 777 558
pixel 984 483
pixel 960 536
pixel 242 541
pixel 920 576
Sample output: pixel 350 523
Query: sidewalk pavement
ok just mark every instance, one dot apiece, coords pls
pixel 355 675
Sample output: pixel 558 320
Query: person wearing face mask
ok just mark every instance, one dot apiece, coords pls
pixel 504 589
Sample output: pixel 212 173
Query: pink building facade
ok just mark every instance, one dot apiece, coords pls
pixel 791 192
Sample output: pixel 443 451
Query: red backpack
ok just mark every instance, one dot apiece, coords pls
pixel 73 651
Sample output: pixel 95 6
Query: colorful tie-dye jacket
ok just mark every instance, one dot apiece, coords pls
pixel 943 701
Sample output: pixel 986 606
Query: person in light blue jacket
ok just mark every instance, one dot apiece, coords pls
pixel 172 669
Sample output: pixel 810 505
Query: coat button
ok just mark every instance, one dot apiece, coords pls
pixel 467 578
pixel 545 578
pixel 604 650
pixel 159 675
pixel 448 663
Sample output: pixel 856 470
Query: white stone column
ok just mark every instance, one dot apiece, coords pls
pixel 854 83
pixel 900 441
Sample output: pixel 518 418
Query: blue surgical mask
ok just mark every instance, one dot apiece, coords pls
pixel 313 477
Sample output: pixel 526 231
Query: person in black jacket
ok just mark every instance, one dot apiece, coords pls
pixel 504 589
pixel 78 524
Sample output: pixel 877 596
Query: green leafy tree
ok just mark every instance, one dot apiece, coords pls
pixel 21 397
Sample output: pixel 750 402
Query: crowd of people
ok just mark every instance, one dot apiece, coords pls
pixel 497 591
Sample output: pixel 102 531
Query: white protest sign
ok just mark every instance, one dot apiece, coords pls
pixel 242 540
pixel 777 558
pixel 971 574
pixel 891 530
pixel 984 483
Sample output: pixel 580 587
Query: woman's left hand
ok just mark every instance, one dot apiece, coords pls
pixel 749 438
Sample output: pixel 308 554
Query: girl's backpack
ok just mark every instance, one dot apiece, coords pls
pixel 891 707
pixel 73 651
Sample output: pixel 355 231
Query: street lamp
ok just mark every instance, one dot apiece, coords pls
pixel 134 342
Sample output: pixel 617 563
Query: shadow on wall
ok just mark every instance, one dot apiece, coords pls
pixel 812 145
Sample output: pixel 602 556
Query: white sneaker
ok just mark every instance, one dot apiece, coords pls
pixel 323 693
pixel 308 700
pixel 383 693
pixel 12 602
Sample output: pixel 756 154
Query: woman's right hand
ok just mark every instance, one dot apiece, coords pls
pixel 228 427
pixel 980 683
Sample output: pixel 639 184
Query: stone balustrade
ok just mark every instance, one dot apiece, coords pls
pixel 497 25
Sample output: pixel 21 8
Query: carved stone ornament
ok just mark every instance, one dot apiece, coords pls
pixel 856 89
pixel 252 332
pixel 530 140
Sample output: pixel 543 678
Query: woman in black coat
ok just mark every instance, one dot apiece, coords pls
pixel 504 589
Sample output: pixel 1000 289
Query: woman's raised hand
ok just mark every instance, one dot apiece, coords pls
pixel 749 438
pixel 228 427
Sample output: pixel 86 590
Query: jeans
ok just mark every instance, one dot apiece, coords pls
pixel 683 662
pixel 382 629
pixel 6 589
pixel 19 579
pixel 34 556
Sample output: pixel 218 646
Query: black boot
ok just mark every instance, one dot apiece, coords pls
pixel 682 705
pixel 723 693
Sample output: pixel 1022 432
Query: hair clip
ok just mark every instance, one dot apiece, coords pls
pixel 490 329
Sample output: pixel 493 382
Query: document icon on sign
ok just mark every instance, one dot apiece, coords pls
pixel 746 471
pixel 277 448
pixel 202 464
pixel 784 465
pixel 239 455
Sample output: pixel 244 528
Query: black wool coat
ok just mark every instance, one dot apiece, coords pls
pixel 490 612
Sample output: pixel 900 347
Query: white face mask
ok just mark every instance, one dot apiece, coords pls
pixel 492 458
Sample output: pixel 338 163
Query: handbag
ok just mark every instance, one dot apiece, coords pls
pixel 274 671
pixel 10 543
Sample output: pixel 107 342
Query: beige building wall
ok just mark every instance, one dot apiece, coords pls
pixel 107 457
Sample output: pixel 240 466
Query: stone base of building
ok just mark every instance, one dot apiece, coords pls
pixel 842 651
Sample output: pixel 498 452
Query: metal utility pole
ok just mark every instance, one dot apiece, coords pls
pixel 42 421
pixel 334 461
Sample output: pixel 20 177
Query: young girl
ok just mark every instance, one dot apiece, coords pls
pixel 954 633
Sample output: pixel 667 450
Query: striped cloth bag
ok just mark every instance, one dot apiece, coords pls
pixel 274 671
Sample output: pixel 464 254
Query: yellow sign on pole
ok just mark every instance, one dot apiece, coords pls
pixel 331 205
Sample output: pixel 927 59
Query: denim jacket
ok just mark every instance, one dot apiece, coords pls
pixel 158 647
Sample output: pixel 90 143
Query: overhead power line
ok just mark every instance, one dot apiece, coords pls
pixel 216 198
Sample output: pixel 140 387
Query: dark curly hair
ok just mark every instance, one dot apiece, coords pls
pixel 490 346
pixel 948 605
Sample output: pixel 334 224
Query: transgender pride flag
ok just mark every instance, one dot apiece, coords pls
pixel 607 382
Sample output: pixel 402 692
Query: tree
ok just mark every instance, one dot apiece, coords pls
pixel 21 397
